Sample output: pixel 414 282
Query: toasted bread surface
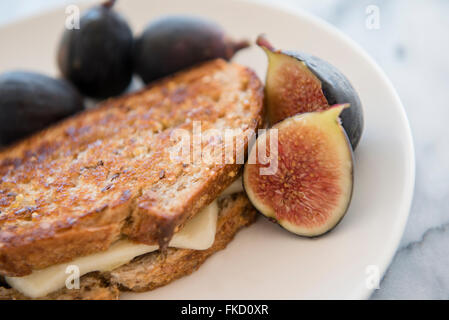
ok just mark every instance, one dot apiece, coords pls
pixel 78 186
pixel 157 269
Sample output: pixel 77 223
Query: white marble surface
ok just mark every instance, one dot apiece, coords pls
pixel 411 45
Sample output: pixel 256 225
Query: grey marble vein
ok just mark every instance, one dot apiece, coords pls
pixel 411 46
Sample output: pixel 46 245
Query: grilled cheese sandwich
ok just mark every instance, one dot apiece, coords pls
pixel 99 191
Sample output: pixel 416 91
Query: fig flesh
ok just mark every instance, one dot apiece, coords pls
pixel 298 82
pixel 311 189
pixel 173 43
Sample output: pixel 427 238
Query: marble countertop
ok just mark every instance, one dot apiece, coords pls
pixel 409 45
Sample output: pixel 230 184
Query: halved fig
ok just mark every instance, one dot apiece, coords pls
pixel 310 190
pixel 297 82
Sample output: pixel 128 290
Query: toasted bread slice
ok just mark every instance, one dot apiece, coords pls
pixel 156 269
pixel 77 187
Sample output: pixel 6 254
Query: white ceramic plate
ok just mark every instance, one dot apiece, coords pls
pixel 264 261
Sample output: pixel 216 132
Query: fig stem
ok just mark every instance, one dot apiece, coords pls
pixel 232 47
pixel 239 45
pixel 108 4
pixel 263 42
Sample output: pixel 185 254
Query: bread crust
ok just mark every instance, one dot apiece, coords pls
pixel 92 287
pixel 154 270
pixel 157 269
pixel 78 186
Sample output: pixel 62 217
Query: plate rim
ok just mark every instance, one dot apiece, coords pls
pixel 386 258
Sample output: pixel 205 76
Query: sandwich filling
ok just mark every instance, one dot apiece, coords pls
pixel 197 234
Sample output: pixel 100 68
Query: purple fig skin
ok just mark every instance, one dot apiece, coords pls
pixel 97 57
pixel 337 89
pixel 335 86
pixel 173 43
pixel 108 4
pixel 31 101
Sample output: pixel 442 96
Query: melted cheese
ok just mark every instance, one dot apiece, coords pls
pixel 197 234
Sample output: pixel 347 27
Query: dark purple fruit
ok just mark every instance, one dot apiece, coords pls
pixel 173 43
pixel 97 58
pixel 310 191
pixel 298 82
pixel 31 101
